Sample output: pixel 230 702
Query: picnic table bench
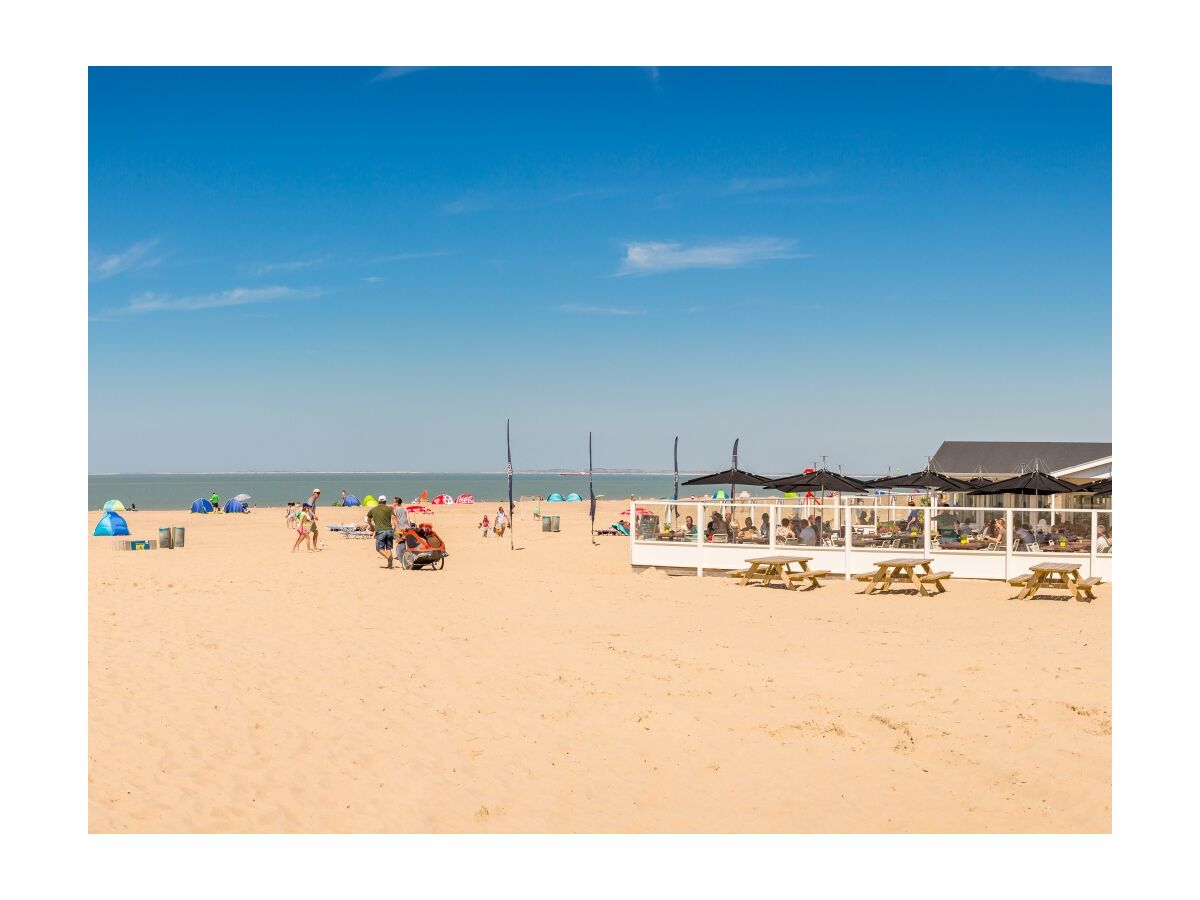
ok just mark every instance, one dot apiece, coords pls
pixel 767 568
pixel 904 570
pixel 1055 577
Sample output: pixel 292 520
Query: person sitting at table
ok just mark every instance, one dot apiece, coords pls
pixel 748 530
pixel 914 519
pixel 785 532
pixel 818 526
pixel 1024 537
pixel 688 529
pixel 808 534
pixel 995 531
pixel 862 517
pixel 946 524
pixel 717 526
pixel 764 530
pixel 1103 544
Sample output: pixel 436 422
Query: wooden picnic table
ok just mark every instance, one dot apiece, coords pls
pixel 904 569
pixel 767 568
pixel 1055 576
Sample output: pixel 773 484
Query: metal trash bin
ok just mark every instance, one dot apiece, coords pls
pixel 165 541
pixel 554 522
pixel 547 523
pixel 177 536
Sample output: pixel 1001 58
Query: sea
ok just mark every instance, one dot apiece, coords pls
pixel 177 491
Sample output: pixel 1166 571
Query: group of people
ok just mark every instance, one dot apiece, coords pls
pixel 499 526
pixel 303 518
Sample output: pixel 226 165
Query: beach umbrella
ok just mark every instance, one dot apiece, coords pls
pixel 926 479
pixel 732 476
pixel 1103 486
pixel 1035 483
pixel 242 498
pixel 114 506
pixel 818 480
pixel 418 508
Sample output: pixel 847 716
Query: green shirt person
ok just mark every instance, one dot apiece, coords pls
pixel 216 502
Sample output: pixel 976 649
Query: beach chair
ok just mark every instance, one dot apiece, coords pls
pixel 621 529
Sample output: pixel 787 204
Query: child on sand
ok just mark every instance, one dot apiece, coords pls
pixel 292 515
pixel 484 526
pixel 303 522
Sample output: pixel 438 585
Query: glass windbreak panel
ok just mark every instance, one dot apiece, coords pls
pixel 1032 526
pixel 1067 531
pixel 902 522
pixel 662 522
pixel 979 529
pixel 1104 532
pixel 717 526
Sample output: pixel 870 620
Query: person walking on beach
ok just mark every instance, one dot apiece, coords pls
pixel 402 522
pixel 501 521
pixel 485 526
pixel 215 501
pixel 302 521
pixel 382 519
pixel 342 502
pixel 312 509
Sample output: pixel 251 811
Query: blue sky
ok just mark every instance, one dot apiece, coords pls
pixel 371 269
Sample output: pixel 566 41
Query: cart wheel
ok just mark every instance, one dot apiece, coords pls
pixel 440 563
pixel 407 558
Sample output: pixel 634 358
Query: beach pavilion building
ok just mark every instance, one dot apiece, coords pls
pixel 1074 461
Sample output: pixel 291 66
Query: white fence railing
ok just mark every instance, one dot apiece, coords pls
pixel 847 537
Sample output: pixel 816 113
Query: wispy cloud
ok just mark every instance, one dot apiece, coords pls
pixel 151 302
pixel 483 201
pixel 760 184
pixel 410 254
pixel 390 72
pixel 652 258
pixel 372 279
pixel 136 256
pixel 1083 74
pixel 260 269
pixel 583 309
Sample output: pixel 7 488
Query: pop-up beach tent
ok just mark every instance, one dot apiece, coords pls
pixel 465 498
pixel 114 506
pixel 202 506
pixel 443 500
pixel 369 501
pixel 232 506
pixel 351 500
pixel 573 497
pixel 556 497
pixel 110 524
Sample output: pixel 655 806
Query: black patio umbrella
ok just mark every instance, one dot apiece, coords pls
pixel 1033 483
pixel 819 480
pixel 732 476
pixel 1100 487
pixel 926 479
pixel 978 481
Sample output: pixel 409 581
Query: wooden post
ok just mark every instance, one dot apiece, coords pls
pixel 847 534
pixel 1092 551
pixel 1008 536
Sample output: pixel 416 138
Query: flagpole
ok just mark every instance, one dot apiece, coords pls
pixel 508 444
pixel 591 492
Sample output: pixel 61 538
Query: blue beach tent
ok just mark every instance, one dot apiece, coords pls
pixel 234 506
pixel 556 497
pixel 202 506
pixel 573 497
pixel 351 500
pixel 110 524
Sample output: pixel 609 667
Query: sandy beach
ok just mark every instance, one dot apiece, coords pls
pixel 237 687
